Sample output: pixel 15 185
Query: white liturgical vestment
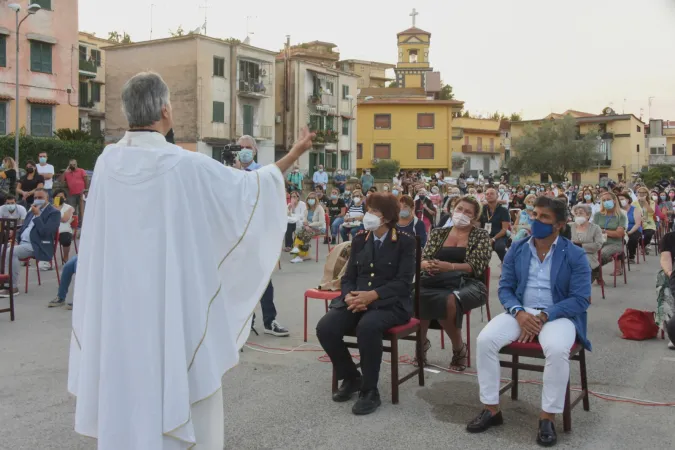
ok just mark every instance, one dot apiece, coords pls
pixel 176 251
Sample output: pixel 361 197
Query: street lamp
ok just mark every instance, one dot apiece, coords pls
pixel 351 115
pixel 32 9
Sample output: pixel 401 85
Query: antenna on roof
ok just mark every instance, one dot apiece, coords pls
pixel 205 7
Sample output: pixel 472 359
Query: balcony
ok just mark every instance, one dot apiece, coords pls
pixel 323 102
pixel 607 136
pixel 467 148
pixel 256 89
pixel 604 163
pixel 329 138
pixel 656 160
pixel 88 68
pixel 258 132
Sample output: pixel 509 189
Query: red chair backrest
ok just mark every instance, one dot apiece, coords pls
pixel 75 221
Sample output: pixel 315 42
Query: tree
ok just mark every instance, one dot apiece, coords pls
pixel 178 31
pixel 446 93
pixel 515 117
pixel 232 41
pixel 393 84
pixel 386 168
pixel 556 149
pixel 117 38
pixel 466 114
pixel 497 116
pixel 657 173
pixel 67 134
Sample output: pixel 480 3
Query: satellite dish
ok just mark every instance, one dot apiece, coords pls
pixel 196 30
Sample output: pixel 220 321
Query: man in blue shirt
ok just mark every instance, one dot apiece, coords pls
pixel 320 178
pixel 295 180
pixel 246 162
pixel 340 180
pixel 367 180
pixel 545 288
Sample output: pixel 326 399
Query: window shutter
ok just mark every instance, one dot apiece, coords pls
pixel 425 121
pixel 382 151
pixel 3 118
pixel 425 151
pixel 382 121
pixel 359 151
pixel 47 58
pixel 35 62
pixel 3 51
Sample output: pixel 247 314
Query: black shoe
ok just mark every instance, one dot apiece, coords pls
pixel 275 329
pixel 333 240
pixel 484 421
pixel 325 240
pixel 367 403
pixel 347 389
pixel 546 436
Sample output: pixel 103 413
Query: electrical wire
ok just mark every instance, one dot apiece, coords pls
pixel 406 359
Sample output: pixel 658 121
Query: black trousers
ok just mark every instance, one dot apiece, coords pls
pixel 633 241
pixel 288 239
pixel 369 327
pixel 648 235
pixel 500 248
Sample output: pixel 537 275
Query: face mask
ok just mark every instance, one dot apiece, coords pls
pixel 320 170
pixel 404 214
pixel 501 191
pixel 541 230
pixel 580 220
pixel 529 207
pixel 386 189
pixel 43 160
pixel 654 197
pixel 608 204
pixel 311 202
pixel 395 192
pixel 532 192
pixel 422 196
pixel 663 197
pixel 434 191
pixel 246 156
pixel 348 192
pixel 72 166
pixel 30 169
pixel 39 202
pixel 339 172
pixel 371 222
pixel 588 197
pixel 461 220
pixel 357 201
pixel 624 203
pixel 11 208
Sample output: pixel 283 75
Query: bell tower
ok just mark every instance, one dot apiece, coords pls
pixel 413 56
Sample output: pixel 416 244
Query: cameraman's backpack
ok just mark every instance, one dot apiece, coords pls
pixel 335 267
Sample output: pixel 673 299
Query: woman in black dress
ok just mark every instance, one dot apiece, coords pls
pixel 29 183
pixel 453 264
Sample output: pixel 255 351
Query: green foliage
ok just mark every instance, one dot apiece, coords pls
pixel 466 114
pixel 515 117
pixel 177 32
pixel 117 38
pixel 446 93
pixel 393 84
pixel 232 41
pixel 66 134
pixel 657 173
pixel 60 152
pixel 386 168
pixel 554 148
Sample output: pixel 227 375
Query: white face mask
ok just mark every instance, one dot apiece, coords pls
pixel 624 203
pixel 580 220
pixel 460 220
pixel 357 201
pixel 371 222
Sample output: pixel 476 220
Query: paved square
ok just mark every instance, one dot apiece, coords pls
pixel 283 401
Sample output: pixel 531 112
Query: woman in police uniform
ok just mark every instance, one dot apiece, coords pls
pixel 376 296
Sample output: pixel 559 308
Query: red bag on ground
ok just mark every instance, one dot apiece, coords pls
pixel 638 325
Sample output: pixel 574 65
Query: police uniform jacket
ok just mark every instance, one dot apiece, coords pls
pixel 389 271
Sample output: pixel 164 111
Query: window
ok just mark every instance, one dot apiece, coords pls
pixel 96 57
pixel 317 122
pixel 638 148
pixel 383 121
pixel 217 153
pixel 45 4
pixel 466 140
pixel 84 94
pixel 331 160
pixel 218 67
pixel 83 53
pixel 344 161
pixel 345 127
pixel 80 124
pixel 40 57
pixel 412 56
pixel 3 50
pixel 425 120
pixel 657 151
pixel 219 112
pixel 638 128
pixel 479 144
pixel 345 91
pixel 492 144
pixel 95 92
pixel 3 118
pixel 425 151
pixel 330 123
pixel 95 128
pixel 359 151
pixel 382 151
pixel 41 120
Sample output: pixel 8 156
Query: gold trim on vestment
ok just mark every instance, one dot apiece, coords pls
pixel 76 339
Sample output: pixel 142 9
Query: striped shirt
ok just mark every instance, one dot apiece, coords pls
pixel 356 211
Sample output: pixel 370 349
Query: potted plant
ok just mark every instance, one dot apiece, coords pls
pixel 320 137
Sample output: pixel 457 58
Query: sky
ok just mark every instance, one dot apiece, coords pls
pixel 527 56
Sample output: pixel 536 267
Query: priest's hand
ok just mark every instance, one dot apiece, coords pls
pixel 303 144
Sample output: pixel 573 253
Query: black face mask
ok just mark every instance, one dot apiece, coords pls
pixel 72 166
pixel 169 137
pixel 30 170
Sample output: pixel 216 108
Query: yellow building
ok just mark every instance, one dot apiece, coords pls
pixel 91 83
pixel 621 142
pixel 476 146
pixel 406 123
pixel 372 74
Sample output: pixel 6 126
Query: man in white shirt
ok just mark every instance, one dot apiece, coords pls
pixel 47 172
pixel 10 210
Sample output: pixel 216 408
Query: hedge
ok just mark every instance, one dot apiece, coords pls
pixel 59 152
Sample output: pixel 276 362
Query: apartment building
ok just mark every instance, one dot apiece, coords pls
pixel 92 63
pixel 476 146
pixel 371 74
pixel 220 90
pixel 47 64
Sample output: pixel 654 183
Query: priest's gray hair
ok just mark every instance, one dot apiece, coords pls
pixel 143 98
pixel 248 141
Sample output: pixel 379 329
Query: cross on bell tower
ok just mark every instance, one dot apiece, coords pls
pixel 413 14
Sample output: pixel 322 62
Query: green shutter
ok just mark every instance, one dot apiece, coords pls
pixel 219 112
pixel 345 91
pixel 3 51
pixel 330 121
pixel 248 120
pixel 84 94
pixel 40 57
pixel 3 118
pixel 95 92
pixel 345 127
pixel 344 164
pixel 95 128
pixel 41 121
pixel 45 4
pixel 46 58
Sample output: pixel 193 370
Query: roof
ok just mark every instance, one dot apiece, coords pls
pixel 93 36
pixel 481 131
pixel 186 37
pixel 576 113
pixel 371 63
pixel 413 30
pixel 326 44
pixel 411 101
pixel 598 118
pixel 392 92
pixel 325 67
pixel 6 97
pixel 41 101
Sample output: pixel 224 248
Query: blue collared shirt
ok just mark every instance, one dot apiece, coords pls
pixel 382 238
pixel 538 290
pixel 253 166
pixel 320 178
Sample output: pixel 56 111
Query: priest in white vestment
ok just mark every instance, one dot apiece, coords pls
pixel 164 295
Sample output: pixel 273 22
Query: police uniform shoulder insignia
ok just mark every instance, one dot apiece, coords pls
pixel 394 235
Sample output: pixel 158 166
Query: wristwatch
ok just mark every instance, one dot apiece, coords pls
pixel 515 310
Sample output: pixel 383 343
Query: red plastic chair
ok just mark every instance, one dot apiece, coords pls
pixel 326 236
pixel 27 261
pixel 319 295
pixel 622 258
pixel 8 229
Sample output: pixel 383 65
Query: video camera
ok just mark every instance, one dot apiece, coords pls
pixel 229 154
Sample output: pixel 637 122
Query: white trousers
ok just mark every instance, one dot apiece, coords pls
pixel 208 420
pixel 556 339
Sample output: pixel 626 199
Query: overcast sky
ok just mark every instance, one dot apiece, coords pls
pixel 527 56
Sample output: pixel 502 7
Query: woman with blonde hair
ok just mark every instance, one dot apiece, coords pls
pixel 8 173
pixel 613 222
pixel 524 220
pixel 313 224
pixel 648 222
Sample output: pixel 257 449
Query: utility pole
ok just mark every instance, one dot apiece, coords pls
pixel 649 111
pixel 152 6
pixel 205 7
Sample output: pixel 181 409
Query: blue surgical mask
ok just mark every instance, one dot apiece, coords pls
pixel 348 192
pixel 541 230
pixel 532 192
pixel 311 202
pixel 588 197
pixel 11 208
pixel 405 213
pixel 663 197
pixel 608 204
pixel 43 160
pixel 395 192
pixel 529 207
pixel 246 155
pixel 333 197
pixel 39 202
